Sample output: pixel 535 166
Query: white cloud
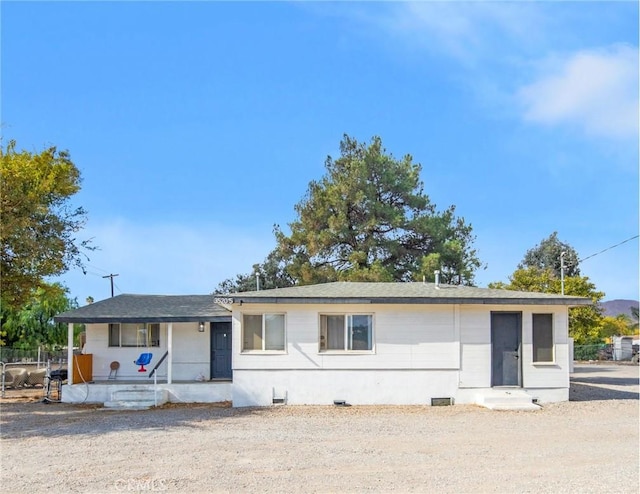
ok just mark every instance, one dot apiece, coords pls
pixel 468 32
pixel 166 258
pixel 597 91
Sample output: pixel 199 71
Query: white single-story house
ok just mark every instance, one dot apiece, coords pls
pixel 342 342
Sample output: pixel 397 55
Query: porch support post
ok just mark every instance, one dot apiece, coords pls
pixel 169 353
pixel 456 336
pixel 70 353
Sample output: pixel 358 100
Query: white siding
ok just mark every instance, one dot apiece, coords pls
pixel 546 375
pixel 415 357
pixel 356 387
pixel 404 337
pixel 475 341
pixel 191 352
pixel 475 331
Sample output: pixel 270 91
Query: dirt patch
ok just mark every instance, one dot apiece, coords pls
pixel 22 395
pixel 221 404
pixel 587 445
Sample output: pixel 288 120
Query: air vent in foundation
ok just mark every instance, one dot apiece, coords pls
pixel 441 402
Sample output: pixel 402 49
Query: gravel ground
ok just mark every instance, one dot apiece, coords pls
pixel 589 444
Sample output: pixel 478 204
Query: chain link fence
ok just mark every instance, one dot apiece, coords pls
pixel 603 351
pixel 598 351
pixel 36 356
pixel 25 370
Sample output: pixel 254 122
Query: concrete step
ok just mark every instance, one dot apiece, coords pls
pixel 137 398
pixel 138 394
pixel 506 399
pixel 531 407
pixel 130 405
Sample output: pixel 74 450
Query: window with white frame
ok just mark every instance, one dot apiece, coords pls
pixel 263 332
pixel 346 332
pixel 134 334
pixel 543 337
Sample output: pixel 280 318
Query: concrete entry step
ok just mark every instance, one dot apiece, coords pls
pixel 137 399
pixel 506 399
pixel 129 405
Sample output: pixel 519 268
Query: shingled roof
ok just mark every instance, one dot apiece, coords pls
pixel 401 293
pixel 148 308
pixel 195 308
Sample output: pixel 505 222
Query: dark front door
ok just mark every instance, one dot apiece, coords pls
pixel 506 331
pixel 220 350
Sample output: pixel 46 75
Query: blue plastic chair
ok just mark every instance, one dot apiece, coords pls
pixel 143 360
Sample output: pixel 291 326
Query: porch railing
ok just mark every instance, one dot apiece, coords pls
pixel 155 368
pixel 155 377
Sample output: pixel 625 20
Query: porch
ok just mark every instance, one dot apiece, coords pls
pixel 178 351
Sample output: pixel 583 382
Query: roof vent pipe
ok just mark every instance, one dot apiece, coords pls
pixel 437 273
pixel 257 282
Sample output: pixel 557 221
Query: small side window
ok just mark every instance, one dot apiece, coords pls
pixel 114 334
pixel 543 338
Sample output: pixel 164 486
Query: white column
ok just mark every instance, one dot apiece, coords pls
pixel 170 353
pixel 70 353
pixel 457 336
pixel 570 347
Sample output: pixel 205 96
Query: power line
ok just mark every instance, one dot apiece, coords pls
pixel 96 267
pixel 563 266
pixel 86 271
pixel 111 276
pixel 118 288
pixel 609 248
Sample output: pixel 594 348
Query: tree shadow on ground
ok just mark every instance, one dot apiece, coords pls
pixel 595 382
pixel 605 380
pixel 586 392
pixel 39 419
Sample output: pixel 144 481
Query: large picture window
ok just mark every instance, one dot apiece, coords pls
pixel 134 334
pixel 263 332
pixel 543 337
pixel 345 332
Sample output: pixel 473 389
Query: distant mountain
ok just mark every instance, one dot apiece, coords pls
pixel 619 306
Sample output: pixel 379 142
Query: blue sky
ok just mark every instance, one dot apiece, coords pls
pixel 198 125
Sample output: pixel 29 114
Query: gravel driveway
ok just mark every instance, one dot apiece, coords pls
pixel 589 444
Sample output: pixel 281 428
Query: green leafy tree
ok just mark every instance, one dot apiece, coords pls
pixel 633 325
pixel 585 322
pixel 32 325
pixel 616 326
pixel 272 273
pixel 368 219
pixel 37 234
pixel 547 255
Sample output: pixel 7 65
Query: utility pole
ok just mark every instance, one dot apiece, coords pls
pixel 112 276
pixel 562 272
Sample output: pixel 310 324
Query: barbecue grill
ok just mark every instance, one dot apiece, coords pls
pixel 53 387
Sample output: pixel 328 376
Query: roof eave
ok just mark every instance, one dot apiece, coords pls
pixel 139 319
pixel 413 300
